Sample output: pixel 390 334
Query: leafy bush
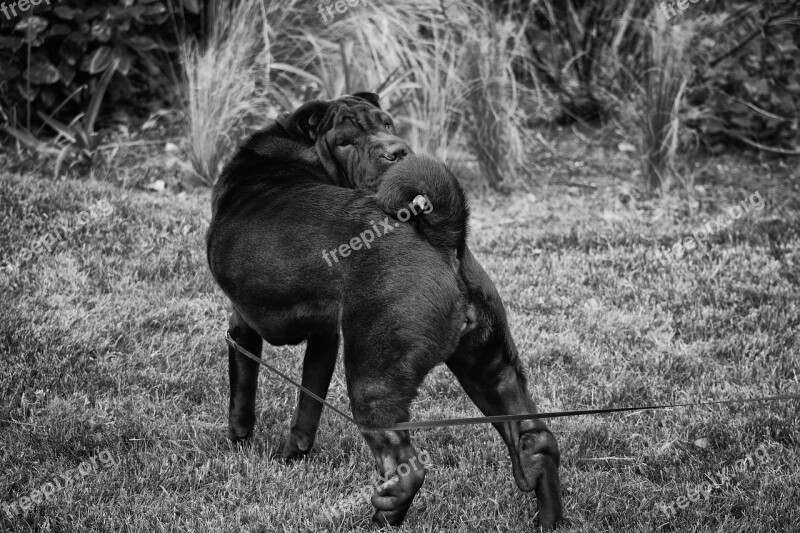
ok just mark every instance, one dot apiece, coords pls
pixel 746 86
pixel 583 52
pixel 459 76
pixel 52 60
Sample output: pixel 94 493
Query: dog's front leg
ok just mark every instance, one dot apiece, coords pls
pixel 243 374
pixel 318 365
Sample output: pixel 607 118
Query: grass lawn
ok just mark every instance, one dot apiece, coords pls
pixel 113 341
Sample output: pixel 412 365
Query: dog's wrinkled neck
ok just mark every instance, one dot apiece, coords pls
pixel 333 170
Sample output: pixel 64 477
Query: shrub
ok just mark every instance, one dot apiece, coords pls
pixel 746 86
pixel 583 52
pixel 52 60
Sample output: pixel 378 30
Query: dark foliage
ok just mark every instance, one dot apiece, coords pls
pixel 746 85
pixel 52 56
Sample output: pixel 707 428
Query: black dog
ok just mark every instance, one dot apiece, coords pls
pixel 315 182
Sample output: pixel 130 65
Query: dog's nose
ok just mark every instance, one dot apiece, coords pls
pixel 396 151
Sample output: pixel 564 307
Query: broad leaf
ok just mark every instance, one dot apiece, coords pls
pixel 101 31
pixel 743 121
pixel 84 142
pixel 30 96
pixel 60 159
pixel 99 60
pixel 10 43
pixel 97 97
pixel 61 128
pixel 32 27
pixel 26 138
pixel 125 61
pixel 47 97
pixel 58 30
pixel 42 71
pixel 8 68
pixel 192 6
pixel 92 13
pixel 142 43
pixel 67 72
pixel 117 13
pixel 71 51
pixel 136 11
pixel 81 37
pixel 65 13
pixel 157 20
pixel 156 9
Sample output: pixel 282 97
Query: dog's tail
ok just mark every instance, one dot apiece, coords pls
pixel 422 191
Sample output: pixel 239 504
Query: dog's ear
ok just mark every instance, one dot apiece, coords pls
pixel 305 121
pixel 372 98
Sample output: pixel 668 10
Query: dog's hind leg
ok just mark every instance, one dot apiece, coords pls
pixel 243 374
pixel 318 365
pixel 388 351
pixel 384 402
pixel 487 366
pixel 497 387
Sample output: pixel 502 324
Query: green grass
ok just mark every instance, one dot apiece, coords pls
pixel 114 341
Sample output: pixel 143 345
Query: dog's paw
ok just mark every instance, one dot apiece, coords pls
pixel 239 434
pixel 297 446
pixel 382 519
pixel 393 498
pixel 558 523
pixel 291 452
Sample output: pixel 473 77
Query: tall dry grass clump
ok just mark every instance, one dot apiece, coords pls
pixel 663 84
pixel 442 68
pixel 435 109
pixel 226 87
pixel 496 131
pixel 370 47
pixel 453 86
pixel 400 51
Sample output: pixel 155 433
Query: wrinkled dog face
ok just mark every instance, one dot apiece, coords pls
pixel 355 140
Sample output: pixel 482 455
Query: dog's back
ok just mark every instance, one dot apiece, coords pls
pixel 274 156
pixel 270 157
pixel 444 222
